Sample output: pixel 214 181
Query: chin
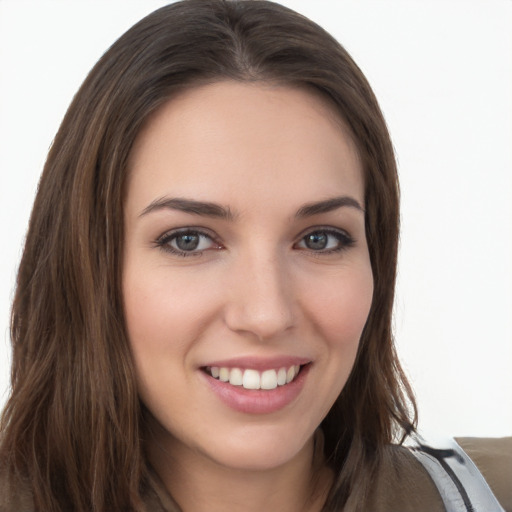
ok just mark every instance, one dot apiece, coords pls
pixel 259 448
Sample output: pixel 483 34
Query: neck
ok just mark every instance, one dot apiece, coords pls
pixel 198 483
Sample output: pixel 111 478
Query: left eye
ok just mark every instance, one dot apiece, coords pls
pixel 186 242
pixel 325 241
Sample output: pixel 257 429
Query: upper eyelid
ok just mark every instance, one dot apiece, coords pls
pixel 327 229
pixel 188 229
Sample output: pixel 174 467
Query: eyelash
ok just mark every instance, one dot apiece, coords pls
pixel 344 241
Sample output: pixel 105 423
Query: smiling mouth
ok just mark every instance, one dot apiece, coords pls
pixel 254 379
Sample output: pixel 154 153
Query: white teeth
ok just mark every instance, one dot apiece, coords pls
pixel 223 374
pixel 268 379
pixel 235 377
pixel 253 379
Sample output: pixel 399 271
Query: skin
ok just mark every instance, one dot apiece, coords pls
pixel 255 287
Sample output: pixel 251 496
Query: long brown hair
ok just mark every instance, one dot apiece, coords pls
pixel 72 429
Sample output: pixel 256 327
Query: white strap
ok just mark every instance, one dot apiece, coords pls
pixel 461 485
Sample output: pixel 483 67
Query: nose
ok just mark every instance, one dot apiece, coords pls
pixel 260 300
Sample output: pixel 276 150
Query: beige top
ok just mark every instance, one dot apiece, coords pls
pixel 403 485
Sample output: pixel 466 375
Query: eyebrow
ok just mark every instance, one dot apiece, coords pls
pixel 203 208
pixel 209 209
pixel 328 205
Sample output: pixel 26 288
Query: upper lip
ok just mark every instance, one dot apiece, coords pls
pixel 259 363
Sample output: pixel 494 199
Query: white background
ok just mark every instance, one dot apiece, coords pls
pixel 442 71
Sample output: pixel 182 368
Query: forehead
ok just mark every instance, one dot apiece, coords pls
pixel 253 139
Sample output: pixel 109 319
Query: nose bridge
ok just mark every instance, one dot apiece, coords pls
pixel 261 299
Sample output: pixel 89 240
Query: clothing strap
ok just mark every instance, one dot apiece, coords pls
pixel 461 485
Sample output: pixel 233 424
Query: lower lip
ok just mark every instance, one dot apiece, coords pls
pixel 258 401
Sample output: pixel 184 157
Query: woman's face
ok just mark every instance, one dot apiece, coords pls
pixel 245 261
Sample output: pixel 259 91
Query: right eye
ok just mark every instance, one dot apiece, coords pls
pixel 326 241
pixel 187 242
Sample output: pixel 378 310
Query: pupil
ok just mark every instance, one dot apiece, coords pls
pixel 316 241
pixel 187 242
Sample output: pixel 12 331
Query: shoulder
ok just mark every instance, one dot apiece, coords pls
pixel 419 477
pixel 403 485
pixel 460 483
pixel 493 458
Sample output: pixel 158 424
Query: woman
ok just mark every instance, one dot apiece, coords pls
pixel 203 306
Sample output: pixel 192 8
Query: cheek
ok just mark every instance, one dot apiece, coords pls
pixel 159 306
pixel 152 316
pixel 165 312
pixel 340 308
pixel 158 322
pixel 338 312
